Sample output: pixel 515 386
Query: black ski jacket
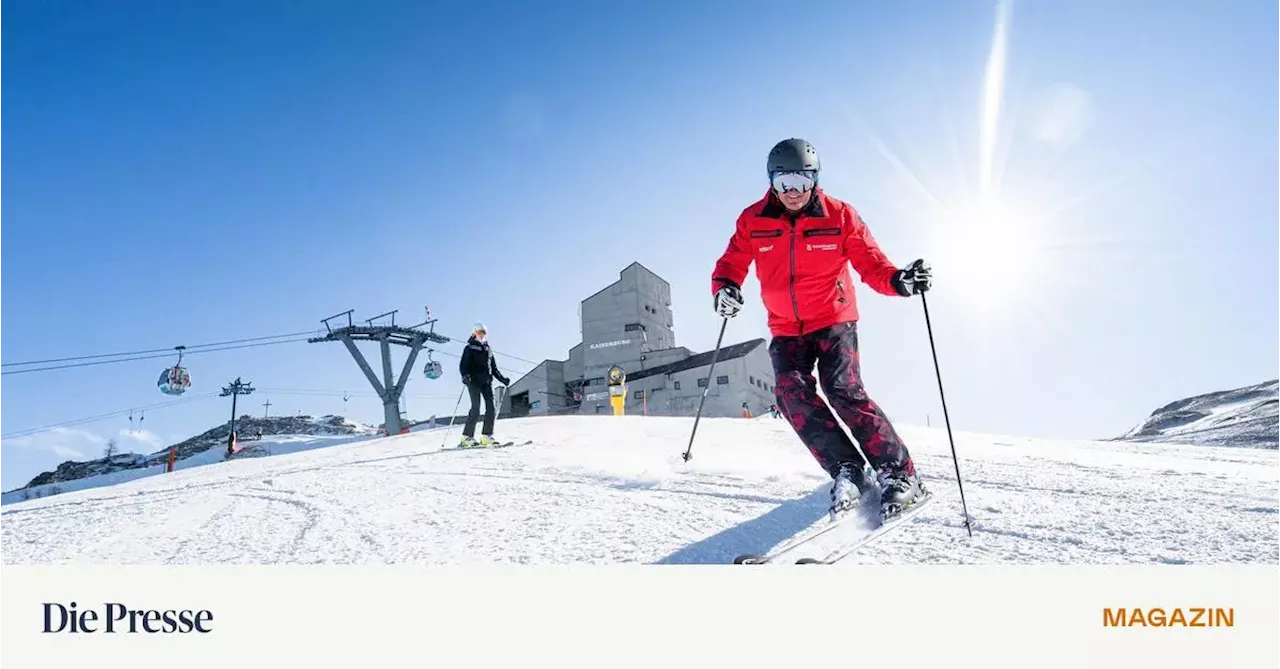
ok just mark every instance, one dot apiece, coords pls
pixel 478 366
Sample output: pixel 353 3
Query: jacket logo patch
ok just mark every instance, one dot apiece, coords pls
pixel 765 233
pixel 822 232
pixel 766 249
pixel 821 247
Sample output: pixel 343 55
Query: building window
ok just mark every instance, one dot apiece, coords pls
pixel 677 385
pixel 633 327
pixel 596 382
pixel 702 383
pixel 722 380
pixel 639 394
pixel 534 404
pixel 751 379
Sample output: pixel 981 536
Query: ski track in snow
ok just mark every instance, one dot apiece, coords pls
pixel 604 489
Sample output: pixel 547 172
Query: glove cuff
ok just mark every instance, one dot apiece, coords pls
pixel 899 285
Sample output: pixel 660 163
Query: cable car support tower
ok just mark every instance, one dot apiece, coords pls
pixel 389 389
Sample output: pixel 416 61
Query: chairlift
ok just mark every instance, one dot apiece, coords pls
pixel 175 380
pixel 434 369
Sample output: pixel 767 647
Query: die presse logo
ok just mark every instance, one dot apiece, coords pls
pixel 120 619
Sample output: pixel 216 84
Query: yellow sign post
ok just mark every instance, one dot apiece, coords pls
pixel 617 389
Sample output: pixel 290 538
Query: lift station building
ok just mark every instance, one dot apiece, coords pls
pixel 629 324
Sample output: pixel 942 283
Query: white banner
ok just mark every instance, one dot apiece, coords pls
pixel 640 616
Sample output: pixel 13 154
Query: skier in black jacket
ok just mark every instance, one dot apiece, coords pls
pixel 479 369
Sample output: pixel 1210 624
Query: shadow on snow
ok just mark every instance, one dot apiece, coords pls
pixel 757 535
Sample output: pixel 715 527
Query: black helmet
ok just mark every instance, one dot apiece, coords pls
pixel 793 155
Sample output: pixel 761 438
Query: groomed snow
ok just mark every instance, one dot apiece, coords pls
pixel 604 489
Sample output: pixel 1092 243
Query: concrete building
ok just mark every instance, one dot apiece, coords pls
pixel 629 323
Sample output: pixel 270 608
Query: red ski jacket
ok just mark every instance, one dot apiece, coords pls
pixel 802 261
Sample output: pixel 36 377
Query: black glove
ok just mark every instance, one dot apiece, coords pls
pixel 915 279
pixel 466 380
pixel 505 381
pixel 728 300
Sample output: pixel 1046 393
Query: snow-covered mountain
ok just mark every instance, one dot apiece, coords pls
pixel 606 489
pixel 281 434
pixel 1247 417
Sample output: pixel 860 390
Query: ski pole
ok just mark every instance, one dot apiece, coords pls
pixel 452 415
pixel 714 356
pixel 947 418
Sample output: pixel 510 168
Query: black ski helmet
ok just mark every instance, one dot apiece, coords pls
pixel 793 155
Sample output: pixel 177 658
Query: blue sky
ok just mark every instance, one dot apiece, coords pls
pixel 188 173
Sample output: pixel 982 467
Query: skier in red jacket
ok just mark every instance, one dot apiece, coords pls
pixel 802 242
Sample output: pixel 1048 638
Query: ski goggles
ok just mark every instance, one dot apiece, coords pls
pixel 803 181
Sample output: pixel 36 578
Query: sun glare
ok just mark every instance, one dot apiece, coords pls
pixel 987 251
pixel 994 243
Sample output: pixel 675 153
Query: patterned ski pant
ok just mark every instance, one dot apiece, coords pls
pixel 835 352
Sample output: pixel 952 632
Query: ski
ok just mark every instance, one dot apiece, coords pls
pixel 504 444
pixel 822 547
pixel 889 525
pixel 855 520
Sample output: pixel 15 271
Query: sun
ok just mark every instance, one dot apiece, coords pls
pixel 988 252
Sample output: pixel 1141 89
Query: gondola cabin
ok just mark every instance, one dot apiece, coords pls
pixel 174 380
pixel 433 370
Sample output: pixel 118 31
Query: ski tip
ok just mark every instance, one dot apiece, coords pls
pixel 809 561
pixel 749 559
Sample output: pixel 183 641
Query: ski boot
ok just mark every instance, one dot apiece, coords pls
pixel 486 441
pixel 846 490
pixel 469 442
pixel 898 491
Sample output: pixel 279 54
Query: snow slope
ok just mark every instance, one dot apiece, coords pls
pixel 1247 416
pixel 605 489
